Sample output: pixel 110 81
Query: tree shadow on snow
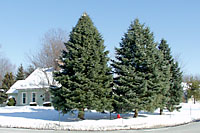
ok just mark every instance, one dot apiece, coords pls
pixel 42 114
pixel 53 115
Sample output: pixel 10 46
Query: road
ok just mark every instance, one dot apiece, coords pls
pixel 188 128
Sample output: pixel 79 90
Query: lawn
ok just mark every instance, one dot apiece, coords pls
pixel 47 118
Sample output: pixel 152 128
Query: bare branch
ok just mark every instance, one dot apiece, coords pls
pixel 182 65
pixel 51 47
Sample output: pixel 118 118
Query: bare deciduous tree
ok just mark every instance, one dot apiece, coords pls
pixel 181 63
pixel 51 48
pixel 189 77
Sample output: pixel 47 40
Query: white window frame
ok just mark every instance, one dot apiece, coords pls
pixel 23 98
pixel 32 96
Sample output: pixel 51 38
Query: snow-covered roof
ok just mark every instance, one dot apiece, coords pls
pixel 40 78
pixel 185 86
pixel 14 86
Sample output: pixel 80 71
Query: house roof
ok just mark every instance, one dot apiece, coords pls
pixel 185 86
pixel 40 78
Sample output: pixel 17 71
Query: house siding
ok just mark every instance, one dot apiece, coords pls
pixel 39 96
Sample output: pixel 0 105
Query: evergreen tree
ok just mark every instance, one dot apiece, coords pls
pixel 175 91
pixel 194 89
pixel 20 73
pixel 137 80
pixel 85 76
pixel 28 71
pixel 163 95
pixel 7 82
pixel 3 96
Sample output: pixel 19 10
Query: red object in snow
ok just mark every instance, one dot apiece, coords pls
pixel 118 116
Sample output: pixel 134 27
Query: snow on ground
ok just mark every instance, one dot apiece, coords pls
pixel 47 118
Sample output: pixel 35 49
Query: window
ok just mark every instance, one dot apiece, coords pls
pixel 33 97
pixel 24 98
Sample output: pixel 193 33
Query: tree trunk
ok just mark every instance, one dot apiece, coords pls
pixel 136 113
pixel 161 111
pixel 81 114
pixel 194 100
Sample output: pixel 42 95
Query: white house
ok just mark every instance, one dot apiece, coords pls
pixel 34 89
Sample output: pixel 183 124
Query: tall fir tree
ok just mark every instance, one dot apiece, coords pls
pixel 20 73
pixel 175 91
pixel 137 80
pixel 7 82
pixel 85 76
pixel 163 95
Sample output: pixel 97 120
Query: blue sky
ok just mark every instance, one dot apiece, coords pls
pixel 24 22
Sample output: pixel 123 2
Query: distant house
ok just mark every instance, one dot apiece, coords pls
pixel 34 89
pixel 185 88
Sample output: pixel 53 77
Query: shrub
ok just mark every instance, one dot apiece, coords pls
pixel 33 104
pixel 11 102
pixel 47 104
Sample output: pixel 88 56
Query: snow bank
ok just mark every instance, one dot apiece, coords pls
pixel 47 118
